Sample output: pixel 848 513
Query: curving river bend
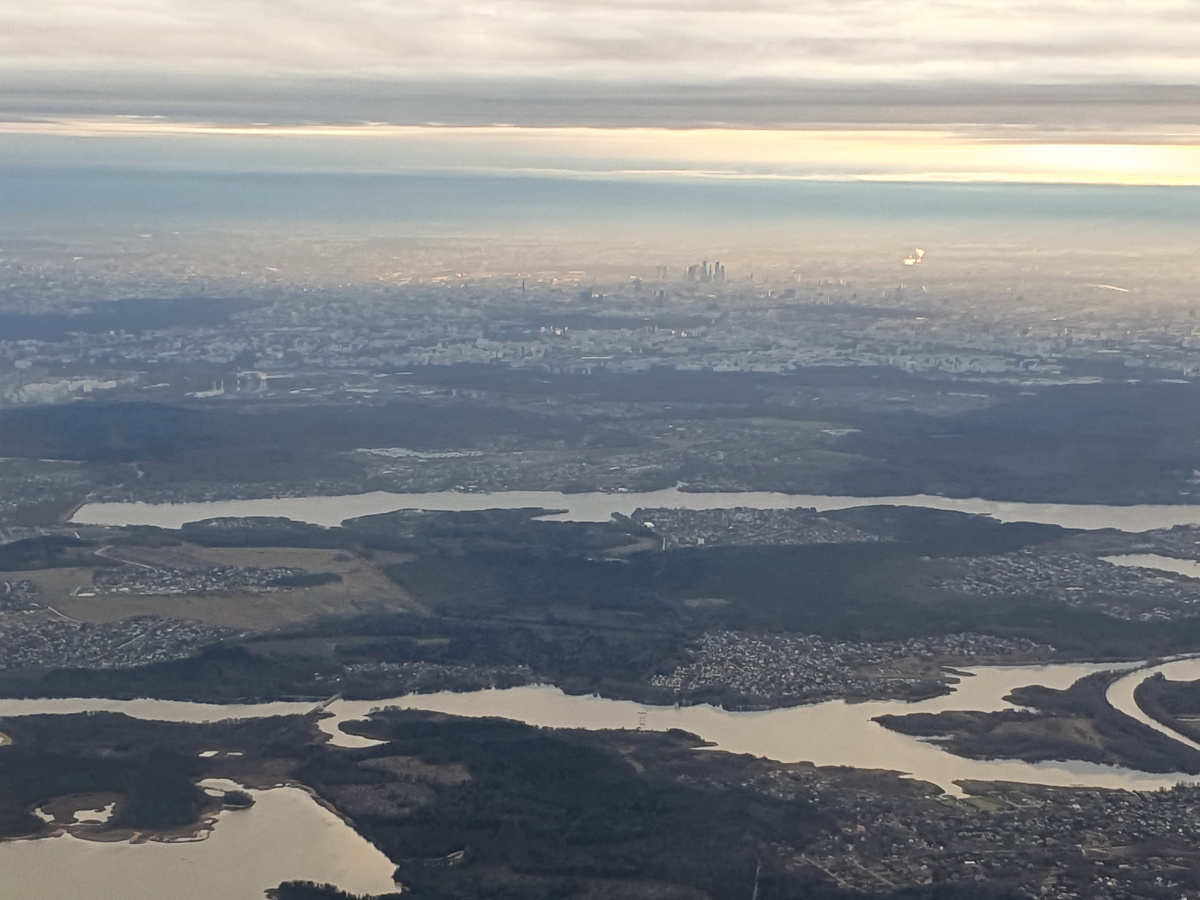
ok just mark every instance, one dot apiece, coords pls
pixel 287 835
pixel 830 733
pixel 1120 694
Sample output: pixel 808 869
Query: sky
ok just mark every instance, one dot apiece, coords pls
pixel 1090 91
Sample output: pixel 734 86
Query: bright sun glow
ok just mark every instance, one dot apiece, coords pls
pixel 919 155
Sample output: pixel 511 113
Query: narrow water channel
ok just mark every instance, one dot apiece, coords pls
pixel 1186 567
pixel 1120 694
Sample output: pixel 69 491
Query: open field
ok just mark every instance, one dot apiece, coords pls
pixel 362 588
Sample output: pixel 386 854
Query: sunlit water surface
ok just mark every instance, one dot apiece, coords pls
pixel 286 835
pixel 599 507
pixel 1185 567
pixel 830 733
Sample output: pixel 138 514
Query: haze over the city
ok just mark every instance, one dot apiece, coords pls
pixel 426 424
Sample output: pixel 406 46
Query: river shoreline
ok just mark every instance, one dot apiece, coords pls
pixel 286 835
pixel 599 506
pixel 828 733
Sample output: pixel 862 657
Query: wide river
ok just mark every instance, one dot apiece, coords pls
pixel 599 507
pixel 830 733
pixel 287 835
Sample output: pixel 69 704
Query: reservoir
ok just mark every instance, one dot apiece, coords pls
pixel 288 835
pixel 331 511
pixel 833 733
pixel 285 836
pixel 1186 567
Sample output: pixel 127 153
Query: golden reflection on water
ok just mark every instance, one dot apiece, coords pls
pixel 286 835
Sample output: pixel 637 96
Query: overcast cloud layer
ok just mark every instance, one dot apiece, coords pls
pixel 1098 72
pixel 1147 40
pixel 437 60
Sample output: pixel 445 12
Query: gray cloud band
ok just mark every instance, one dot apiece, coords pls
pixel 1005 112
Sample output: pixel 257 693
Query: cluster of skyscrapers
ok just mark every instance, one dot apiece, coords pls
pixel 705 273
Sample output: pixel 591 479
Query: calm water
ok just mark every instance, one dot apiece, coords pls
pixel 831 733
pixel 599 507
pixel 1186 567
pixel 1120 693
pixel 285 835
